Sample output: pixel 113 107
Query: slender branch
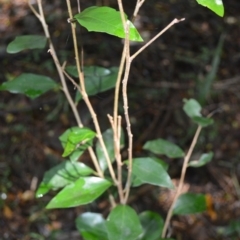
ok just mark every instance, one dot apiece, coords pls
pixel 138 6
pixel 117 86
pixel 126 113
pixel 181 182
pixel 117 148
pixel 91 152
pixel 52 51
pixel 86 99
pixel 157 36
pixel 41 18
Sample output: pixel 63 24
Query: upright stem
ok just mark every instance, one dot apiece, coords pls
pixel 181 182
pixel 86 99
pixel 125 99
pixel 41 18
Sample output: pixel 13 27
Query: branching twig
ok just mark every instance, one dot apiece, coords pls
pixel 41 18
pixel 157 36
pixel 138 6
pixel 86 99
pixel 118 157
pixel 181 181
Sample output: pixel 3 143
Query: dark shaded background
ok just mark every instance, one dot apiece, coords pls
pixel 171 69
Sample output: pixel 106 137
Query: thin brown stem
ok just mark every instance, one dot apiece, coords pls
pixel 86 99
pixel 157 36
pixel 117 87
pixel 138 6
pixel 41 18
pixel 117 148
pixel 181 182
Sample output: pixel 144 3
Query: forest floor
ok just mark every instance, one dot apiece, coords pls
pixel 178 65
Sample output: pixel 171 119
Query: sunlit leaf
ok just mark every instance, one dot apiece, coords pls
pixel 190 203
pixel 84 190
pixel 31 85
pixel 214 5
pixel 26 42
pixel 73 138
pixel 107 20
pixel 123 223
pixel 161 146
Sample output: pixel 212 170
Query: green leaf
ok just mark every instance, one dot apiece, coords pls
pixel 97 79
pixel 92 226
pixel 138 182
pixel 108 139
pixel 204 159
pixel 32 85
pixel 123 223
pixel 107 20
pixel 62 175
pixel 152 224
pixel 148 170
pixel 161 146
pixel 84 190
pixel 214 5
pixel 202 121
pixel 192 108
pixel 190 203
pixel 231 230
pixel 74 156
pixel 26 42
pixel 75 137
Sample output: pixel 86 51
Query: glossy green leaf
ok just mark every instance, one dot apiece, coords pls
pixel 84 190
pixel 123 223
pixel 92 226
pixel 214 5
pixel 97 79
pixel 75 138
pixel 190 203
pixel 62 175
pixel 161 146
pixel 204 159
pixel 26 42
pixel 107 20
pixel 31 85
pixel 108 139
pixel 148 170
pixel 136 181
pixel 77 152
pixel 64 137
pixel 152 224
